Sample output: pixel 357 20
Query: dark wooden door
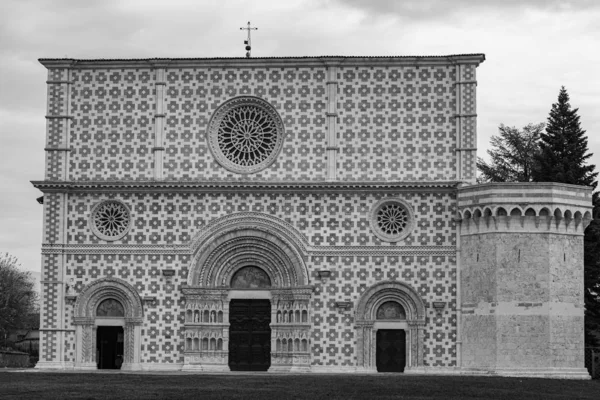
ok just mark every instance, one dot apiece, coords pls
pixel 109 344
pixel 391 350
pixel 249 335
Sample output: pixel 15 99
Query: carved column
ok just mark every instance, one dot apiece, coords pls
pixel 132 342
pixel 416 337
pixel 85 344
pixel 364 341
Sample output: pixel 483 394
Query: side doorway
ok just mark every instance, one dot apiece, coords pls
pixel 109 347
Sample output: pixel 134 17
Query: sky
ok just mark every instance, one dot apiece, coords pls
pixel 532 48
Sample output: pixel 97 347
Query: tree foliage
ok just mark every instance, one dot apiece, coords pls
pixel 562 158
pixel 564 147
pixel 512 155
pixel 591 275
pixel 18 297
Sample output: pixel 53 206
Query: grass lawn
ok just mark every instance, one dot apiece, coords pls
pixel 131 386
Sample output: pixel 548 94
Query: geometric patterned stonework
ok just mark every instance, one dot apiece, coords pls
pixel 356 134
pixel 127 125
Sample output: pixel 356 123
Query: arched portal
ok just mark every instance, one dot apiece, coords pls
pixel 108 302
pixel 243 266
pixel 389 306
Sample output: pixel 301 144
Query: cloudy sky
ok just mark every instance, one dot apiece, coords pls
pixel 532 48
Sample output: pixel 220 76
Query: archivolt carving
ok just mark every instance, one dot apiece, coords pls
pixel 232 243
pixel 277 226
pixel 386 291
pixel 108 288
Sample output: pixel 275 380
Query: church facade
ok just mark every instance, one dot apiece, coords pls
pixel 296 214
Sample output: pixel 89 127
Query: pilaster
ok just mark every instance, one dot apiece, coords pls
pixel 159 119
pixel 58 120
pixel 466 123
pixel 332 115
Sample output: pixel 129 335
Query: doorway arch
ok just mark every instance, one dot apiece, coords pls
pixel 87 320
pixel 367 323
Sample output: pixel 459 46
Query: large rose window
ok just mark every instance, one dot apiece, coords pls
pixel 245 134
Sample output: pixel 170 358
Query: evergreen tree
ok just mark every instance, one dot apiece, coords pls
pixel 564 148
pixel 591 254
pixel 512 155
pixel 563 156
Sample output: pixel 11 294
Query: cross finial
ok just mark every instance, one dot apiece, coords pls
pixel 248 42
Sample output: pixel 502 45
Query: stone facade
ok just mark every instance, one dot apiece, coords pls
pixel 358 190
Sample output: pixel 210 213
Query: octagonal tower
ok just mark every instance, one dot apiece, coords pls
pixel 521 277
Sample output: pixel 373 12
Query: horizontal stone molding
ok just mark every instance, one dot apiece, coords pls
pixel 59 117
pixel 511 308
pixel 244 186
pixel 314 251
pixel 522 195
pixel 57 149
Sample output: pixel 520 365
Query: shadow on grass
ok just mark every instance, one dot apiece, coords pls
pixel 46 385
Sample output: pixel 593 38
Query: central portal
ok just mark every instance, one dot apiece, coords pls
pixel 249 335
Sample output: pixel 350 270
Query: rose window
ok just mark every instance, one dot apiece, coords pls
pixel 110 220
pixel 245 134
pixel 391 219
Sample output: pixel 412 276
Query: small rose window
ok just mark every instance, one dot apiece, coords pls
pixel 110 220
pixel 391 219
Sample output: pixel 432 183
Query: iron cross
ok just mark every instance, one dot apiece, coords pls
pixel 248 42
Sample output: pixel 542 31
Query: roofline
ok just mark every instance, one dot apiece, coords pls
pixel 476 59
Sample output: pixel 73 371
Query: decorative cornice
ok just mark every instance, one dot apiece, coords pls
pixel 476 59
pixel 174 249
pixel 243 186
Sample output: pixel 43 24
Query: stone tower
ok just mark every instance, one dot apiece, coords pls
pixel 521 278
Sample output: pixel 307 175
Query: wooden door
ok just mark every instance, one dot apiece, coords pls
pixel 109 342
pixel 391 350
pixel 249 335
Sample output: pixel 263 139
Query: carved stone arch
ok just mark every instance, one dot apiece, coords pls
pixel 106 288
pixel 500 212
pixel 381 292
pixel 516 212
pixel 86 321
pixel 366 311
pixel 239 240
